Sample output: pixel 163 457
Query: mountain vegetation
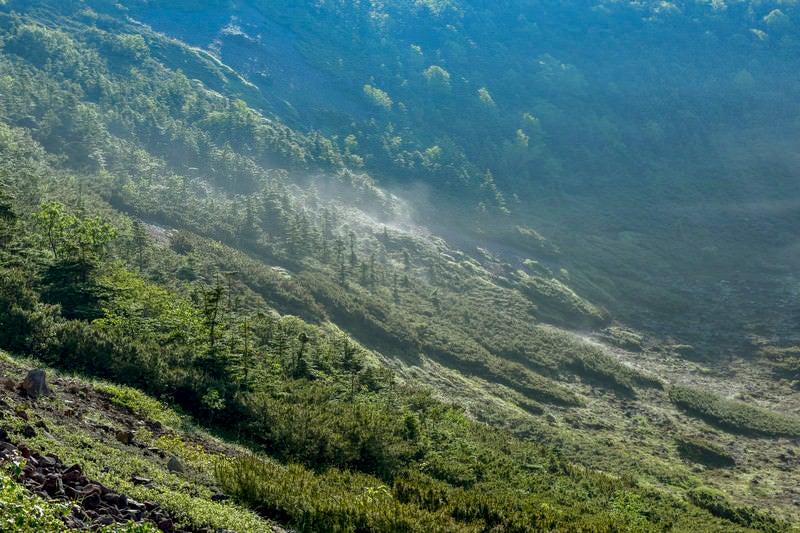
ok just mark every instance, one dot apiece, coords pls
pixel 203 236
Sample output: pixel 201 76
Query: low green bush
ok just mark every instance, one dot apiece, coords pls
pixel 703 451
pixel 734 415
pixel 335 501
pixel 785 362
pixel 717 504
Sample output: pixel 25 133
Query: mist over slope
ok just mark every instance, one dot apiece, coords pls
pixel 424 255
pixel 636 135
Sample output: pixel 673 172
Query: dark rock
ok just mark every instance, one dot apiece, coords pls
pixel 138 480
pixel 133 504
pixel 21 414
pixel 104 521
pixel 3 434
pixel 166 526
pixel 75 523
pixel 71 493
pixel 25 451
pixel 71 476
pixel 91 488
pixel 92 501
pixel 28 431
pixel 35 383
pixel 10 384
pixel 53 485
pixel 111 498
pixel 74 468
pixel 174 465
pixel 125 436
pixel 122 502
pixel 219 497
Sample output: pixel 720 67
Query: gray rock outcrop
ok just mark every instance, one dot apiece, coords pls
pixel 35 384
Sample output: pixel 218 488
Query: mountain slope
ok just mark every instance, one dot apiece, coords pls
pixel 652 141
pixel 162 233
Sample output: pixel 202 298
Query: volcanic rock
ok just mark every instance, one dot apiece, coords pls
pixel 35 384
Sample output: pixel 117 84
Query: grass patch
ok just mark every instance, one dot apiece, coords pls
pixel 142 404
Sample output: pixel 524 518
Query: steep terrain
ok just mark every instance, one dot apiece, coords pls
pixel 175 224
pixel 650 140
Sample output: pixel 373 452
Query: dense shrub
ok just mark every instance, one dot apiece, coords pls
pixel 734 415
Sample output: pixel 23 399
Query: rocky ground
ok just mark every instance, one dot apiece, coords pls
pixel 35 411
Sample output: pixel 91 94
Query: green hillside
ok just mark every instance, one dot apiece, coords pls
pixel 188 229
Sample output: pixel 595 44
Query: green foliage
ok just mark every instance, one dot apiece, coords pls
pixel 342 501
pixel 624 338
pixel 334 501
pixel 557 301
pixel 704 451
pixel 23 512
pixel 377 97
pixel 142 404
pixel 717 504
pixel 486 97
pixel 77 245
pixel 784 361
pixel 227 311
pixel 734 415
pixel 321 426
pixel 437 77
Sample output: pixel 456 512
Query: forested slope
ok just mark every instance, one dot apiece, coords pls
pixel 651 140
pixel 164 227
